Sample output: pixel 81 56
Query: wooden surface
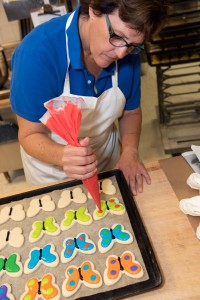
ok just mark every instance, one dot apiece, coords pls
pixel 174 241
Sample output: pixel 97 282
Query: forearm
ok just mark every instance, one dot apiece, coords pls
pixel 42 147
pixel 35 140
pixel 130 130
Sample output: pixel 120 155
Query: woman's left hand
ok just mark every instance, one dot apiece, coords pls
pixel 134 171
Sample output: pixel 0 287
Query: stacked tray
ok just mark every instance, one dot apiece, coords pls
pixel 179 41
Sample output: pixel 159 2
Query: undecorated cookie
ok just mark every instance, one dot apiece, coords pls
pixel 67 196
pixel 12 237
pixel 16 213
pixel 37 204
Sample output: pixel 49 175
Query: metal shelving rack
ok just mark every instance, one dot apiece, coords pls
pixel 175 53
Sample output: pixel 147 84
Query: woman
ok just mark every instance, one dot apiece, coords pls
pixel 92 53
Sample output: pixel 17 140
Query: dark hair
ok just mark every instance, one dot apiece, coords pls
pixel 146 16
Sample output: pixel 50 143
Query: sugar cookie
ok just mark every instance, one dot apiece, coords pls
pixel 72 245
pixel 16 213
pixel 11 265
pixel 125 264
pixel 37 256
pixel 37 204
pixel 105 186
pixel 111 206
pixel 75 276
pixel 49 226
pixel 41 289
pixel 71 217
pixel 67 196
pixel 13 237
pixel 5 292
pixel 108 236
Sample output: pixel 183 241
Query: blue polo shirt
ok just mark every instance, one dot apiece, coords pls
pixel 39 66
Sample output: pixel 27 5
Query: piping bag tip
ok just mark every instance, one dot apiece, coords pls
pixel 93 188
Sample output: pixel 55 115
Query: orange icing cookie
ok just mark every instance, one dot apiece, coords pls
pixel 116 266
pixel 41 289
pixel 75 276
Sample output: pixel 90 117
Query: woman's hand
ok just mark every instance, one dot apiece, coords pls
pixel 79 162
pixel 134 171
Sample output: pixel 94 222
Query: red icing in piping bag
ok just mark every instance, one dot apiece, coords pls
pixel 63 117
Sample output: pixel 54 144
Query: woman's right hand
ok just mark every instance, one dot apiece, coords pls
pixel 79 162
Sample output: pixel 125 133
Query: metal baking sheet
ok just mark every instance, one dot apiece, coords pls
pixel 131 221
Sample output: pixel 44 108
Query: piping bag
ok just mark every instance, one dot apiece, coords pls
pixel 63 117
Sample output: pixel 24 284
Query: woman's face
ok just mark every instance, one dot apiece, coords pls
pixel 101 50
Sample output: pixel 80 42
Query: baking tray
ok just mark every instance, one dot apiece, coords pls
pixel 126 286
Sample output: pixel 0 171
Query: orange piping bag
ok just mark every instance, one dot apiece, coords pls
pixel 64 118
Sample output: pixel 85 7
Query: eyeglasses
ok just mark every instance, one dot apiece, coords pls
pixel 118 41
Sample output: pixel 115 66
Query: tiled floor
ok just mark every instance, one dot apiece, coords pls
pixel 151 147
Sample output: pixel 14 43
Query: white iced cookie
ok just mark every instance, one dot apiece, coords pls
pixel 37 204
pixel 198 232
pixel 76 195
pixel 11 265
pixel 81 243
pixel 75 276
pixel 16 213
pixel 44 288
pixel 115 234
pixel 80 216
pixel 48 226
pixel 190 206
pixel 125 264
pixel 13 237
pixel 5 292
pixel 37 256
pixel 105 186
pixel 194 181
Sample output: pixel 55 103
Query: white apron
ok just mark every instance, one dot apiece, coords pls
pixel 98 122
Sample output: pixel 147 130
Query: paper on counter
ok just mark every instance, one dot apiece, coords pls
pixel 196 150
